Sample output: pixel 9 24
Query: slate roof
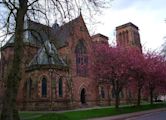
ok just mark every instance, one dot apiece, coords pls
pixel 39 33
pixel 36 35
pixel 47 55
pixel 30 40
pixel 64 32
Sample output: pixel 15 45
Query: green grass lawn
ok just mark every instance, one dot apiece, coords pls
pixel 85 114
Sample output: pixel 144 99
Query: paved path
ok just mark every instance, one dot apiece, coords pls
pixel 91 108
pixel 151 116
pixel 78 109
pixel 134 116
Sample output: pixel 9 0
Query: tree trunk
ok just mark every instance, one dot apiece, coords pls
pixel 108 93
pixel 151 95
pixel 139 97
pixel 117 100
pixel 116 91
pixel 9 108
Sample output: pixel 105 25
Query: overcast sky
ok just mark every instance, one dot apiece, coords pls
pixel 148 15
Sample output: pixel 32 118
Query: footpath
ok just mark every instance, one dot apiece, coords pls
pixel 130 115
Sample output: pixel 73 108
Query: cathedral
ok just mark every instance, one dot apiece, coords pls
pixel 56 72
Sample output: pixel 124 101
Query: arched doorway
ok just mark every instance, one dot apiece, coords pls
pixel 83 96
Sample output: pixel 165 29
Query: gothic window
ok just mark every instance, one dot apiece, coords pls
pixel 81 28
pixel 81 59
pixel 124 38
pixel 120 38
pixel 29 87
pixel 121 94
pixel 136 38
pixel 60 87
pixel 113 93
pixel 44 87
pixel 102 92
pixel 129 93
pixel 127 37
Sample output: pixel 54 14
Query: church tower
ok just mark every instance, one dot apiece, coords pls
pixel 128 35
pixel 100 39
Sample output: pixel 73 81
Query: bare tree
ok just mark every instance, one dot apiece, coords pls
pixel 12 21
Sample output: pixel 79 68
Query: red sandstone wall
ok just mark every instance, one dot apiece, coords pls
pixel 7 56
pixel 52 101
pixel 90 85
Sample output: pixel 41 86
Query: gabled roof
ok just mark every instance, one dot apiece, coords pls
pixel 39 33
pixel 47 55
pixel 36 34
pixel 65 31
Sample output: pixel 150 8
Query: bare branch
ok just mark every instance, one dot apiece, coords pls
pixel 31 4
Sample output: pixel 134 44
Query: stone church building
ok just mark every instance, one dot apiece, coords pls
pixel 56 66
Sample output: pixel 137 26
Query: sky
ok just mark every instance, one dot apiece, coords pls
pixel 148 15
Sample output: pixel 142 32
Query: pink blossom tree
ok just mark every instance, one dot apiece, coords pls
pixel 112 65
pixel 137 71
pixel 128 67
pixel 155 73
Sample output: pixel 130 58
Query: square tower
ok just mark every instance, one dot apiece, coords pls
pixel 100 39
pixel 128 35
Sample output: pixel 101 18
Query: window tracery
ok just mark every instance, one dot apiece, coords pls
pixel 81 59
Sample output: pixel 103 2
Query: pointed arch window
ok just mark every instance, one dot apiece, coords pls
pixel 29 88
pixel 102 92
pixel 44 87
pixel 123 38
pixel 121 94
pixel 127 37
pixel 120 39
pixel 60 88
pixel 81 59
pixel 113 93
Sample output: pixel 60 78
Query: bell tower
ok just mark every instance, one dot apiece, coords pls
pixel 128 35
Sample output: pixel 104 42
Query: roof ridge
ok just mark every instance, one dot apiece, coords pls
pixel 80 16
pixel 73 20
pixel 39 23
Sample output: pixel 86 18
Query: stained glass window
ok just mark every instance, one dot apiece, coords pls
pixel 30 87
pixel 102 92
pixel 60 84
pixel 44 87
pixel 113 93
pixel 81 59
